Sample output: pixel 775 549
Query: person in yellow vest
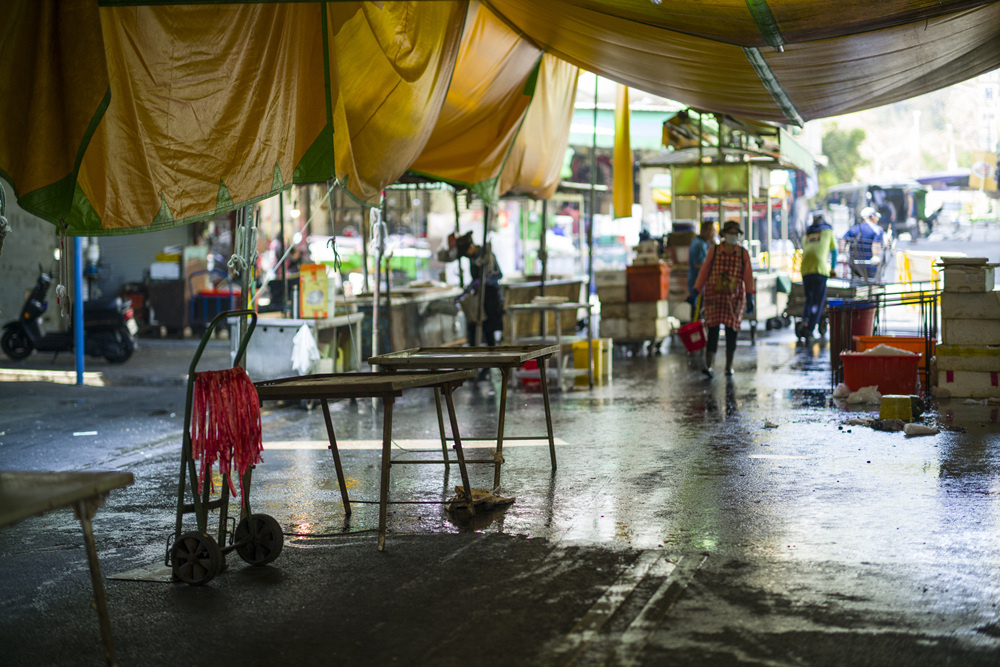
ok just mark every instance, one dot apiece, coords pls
pixel 819 261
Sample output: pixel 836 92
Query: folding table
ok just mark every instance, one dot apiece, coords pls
pixel 387 386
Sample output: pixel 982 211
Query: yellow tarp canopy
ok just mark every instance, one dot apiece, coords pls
pixel 117 116
pixel 536 159
pixel 146 117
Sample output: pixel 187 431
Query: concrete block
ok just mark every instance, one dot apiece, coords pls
pixel 970 305
pixel 976 332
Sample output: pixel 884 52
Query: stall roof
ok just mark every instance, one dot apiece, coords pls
pixel 140 115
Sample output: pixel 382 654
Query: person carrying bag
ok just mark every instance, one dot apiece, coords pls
pixel 727 290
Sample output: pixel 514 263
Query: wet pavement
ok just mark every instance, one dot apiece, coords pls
pixel 695 521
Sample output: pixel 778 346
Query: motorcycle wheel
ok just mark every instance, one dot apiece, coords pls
pixel 120 348
pixel 15 344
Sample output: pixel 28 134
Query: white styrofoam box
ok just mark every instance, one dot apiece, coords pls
pixel 649 329
pixel 970 305
pixel 968 358
pixel 613 328
pixel 970 384
pixel 614 310
pixel 969 277
pixel 648 310
pixel 612 293
pixel 680 254
pixel 644 247
pixel 165 271
pixel 646 259
pixel 964 331
pixel 610 278
pixel 681 310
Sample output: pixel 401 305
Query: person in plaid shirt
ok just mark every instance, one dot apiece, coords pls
pixel 727 288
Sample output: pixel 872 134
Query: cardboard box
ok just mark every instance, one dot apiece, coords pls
pixel 970 305
pixel 614 310
pixel 649 329
pixel 970 332
pixel 313 285
pixel 970 384
pixel 613 328
pixel 648 310
pixel 612 293
pixel 610 278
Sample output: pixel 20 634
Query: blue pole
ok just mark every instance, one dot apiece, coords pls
pixel 78 306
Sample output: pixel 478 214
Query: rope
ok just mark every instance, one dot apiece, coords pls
pixel 244 245
pixel 4 225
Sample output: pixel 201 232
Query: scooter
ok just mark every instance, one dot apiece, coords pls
pixel 109 328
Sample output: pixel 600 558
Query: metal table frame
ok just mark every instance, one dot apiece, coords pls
pixel 558 308
pixel 387 386
pixel 26 494
pixel 502 357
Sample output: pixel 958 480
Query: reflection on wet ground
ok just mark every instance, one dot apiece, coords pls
pixel 806 523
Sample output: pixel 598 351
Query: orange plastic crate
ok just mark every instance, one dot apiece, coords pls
pixel 891 374
pixel 913 344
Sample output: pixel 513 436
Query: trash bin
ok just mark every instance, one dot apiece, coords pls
pixel 847 319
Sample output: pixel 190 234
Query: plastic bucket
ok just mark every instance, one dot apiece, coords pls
pixel 693 336
pixel 848 319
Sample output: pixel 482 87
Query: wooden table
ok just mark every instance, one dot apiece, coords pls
pixel 387 386
pixel 26 494
pixel 503 357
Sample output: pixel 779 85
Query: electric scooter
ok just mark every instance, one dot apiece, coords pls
pixel 109 327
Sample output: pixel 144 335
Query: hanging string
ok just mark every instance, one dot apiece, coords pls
pixel 272 272
pixel 4 225
pixel 63 298
pixel 245 243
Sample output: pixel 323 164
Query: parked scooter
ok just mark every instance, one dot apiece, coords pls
pixel 109 327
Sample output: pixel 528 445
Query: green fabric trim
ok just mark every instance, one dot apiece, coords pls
pixel 83 219
pixel 163 217
pixel 55 202
pixel 224 200
pixel 318 164
pixel 770 82
pixel 766 23
pixel 277 182
pixel 532 82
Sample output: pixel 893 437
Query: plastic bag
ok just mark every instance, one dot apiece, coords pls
pixel 304 351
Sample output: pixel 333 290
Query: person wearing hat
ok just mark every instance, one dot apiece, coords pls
pixel 727 290
pixel 482 261
pixel 863 240
pixel 819 254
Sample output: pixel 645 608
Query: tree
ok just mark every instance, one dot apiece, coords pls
pixel 841 147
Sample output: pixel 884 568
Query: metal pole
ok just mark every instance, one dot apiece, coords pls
pixel 78 306
pixel 543 252
pixel 593 196
pixel 458 232
pixel 281 252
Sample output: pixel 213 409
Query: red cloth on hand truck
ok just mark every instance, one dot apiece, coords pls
pixel 226 424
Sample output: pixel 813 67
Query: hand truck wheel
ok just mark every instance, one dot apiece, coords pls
pixel 259 539
pixel 196 559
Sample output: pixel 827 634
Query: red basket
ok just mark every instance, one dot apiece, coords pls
pixel 693 336
pixel 892 374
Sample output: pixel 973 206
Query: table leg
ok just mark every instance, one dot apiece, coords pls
pixel 336 457
pixel 498 458
pixel 84 512
pixel 458 447
pixel 383 495
pixel 548 412
pixel 562 360
pixel 444 440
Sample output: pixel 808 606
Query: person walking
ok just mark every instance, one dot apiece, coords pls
pixel 819 246
pixel 697 252
pixel 726 285
pixel 864 243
